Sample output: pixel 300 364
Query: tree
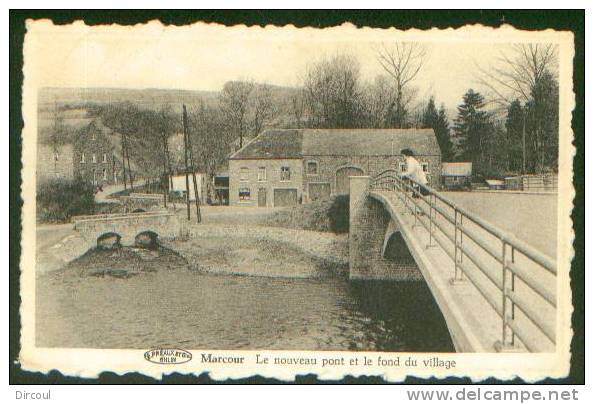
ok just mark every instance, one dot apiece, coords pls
pixel 263 108
pixel 377 99
pixel 402 61
pixel 442 132
pixel 527 72
pixel 332 88
pixel 438 121
pixel 298 106
pixel 210 137
pixel 166 124
pixel 234 100
pixel 517 71
pixel 473 129
pixel 430 114
pixel 543 125
pixel 123 119
pixel 514 129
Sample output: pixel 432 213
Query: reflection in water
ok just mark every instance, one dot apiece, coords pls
pixel 191 310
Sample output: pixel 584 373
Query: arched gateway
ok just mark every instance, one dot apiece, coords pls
pixel 342 178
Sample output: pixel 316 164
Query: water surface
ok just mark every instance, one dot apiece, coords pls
pixel 192 310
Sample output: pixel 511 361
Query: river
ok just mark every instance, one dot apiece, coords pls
pixel 192 310
pixel 304 301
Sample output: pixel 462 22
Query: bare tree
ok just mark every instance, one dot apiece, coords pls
pixel 166 125
pixel 402 61
pixel 527 73
pixel 298 106
pixel 211 137
pixel 517 71
pixel 377 98
pixel 333 92
pixel 234 101
pixel 263 108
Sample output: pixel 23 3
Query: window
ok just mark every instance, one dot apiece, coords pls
pixel 104 174
pixel 243 174
pixel 402 167
pixel 94 158
pixel 425 167
pixel 244 194
pixel 56 156
pixel 312 167
pixel 285 174
pixel 261 173
pixel 82 158
pixel 105 157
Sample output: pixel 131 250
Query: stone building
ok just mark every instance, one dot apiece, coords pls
pixel 291 166
pixel 54 162
pixel 92 153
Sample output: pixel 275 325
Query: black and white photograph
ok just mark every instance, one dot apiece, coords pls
pixel 250 200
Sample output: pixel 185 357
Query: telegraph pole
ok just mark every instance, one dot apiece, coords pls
pixel 124 159
pixel 524 141
pixel 185 124
pixel 196 196
pixel 165 185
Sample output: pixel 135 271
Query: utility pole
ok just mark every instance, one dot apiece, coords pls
pixel 169 172
pixel 129 169
pixel 166 177
pixel 185 125
pixel 196 196
pixel 524 112
pixel 126 156
pixel 124 159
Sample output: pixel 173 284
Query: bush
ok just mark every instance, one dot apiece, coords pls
pixel 58 200
pixel 329 215
pixel 338 214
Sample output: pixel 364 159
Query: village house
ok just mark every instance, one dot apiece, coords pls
pixel 92 154
pixel 292 166
pixel 456 175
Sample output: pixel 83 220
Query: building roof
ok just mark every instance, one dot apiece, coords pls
pixel 456 169
pixel 297 143
pixel 284 143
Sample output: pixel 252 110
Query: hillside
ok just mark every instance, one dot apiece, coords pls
pixel 149 97
pixel 71 103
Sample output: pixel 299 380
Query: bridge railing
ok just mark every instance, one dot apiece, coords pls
pixel 503 267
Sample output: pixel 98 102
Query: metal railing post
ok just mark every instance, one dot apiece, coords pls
pixel 414 201
pixel 455 244
pixel 461 231
pixel 503 295
pixel 431 213
pixel 513 288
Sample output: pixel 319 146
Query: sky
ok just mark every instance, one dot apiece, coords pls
pixel 204 57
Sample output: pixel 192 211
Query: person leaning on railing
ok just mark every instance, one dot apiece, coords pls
pixel 414 172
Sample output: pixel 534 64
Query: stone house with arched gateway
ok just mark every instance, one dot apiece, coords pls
pixel 286 167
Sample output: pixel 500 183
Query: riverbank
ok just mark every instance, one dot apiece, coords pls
pixel 212 247
pixel 263 251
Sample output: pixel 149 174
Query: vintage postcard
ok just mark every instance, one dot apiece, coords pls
pixel 281 201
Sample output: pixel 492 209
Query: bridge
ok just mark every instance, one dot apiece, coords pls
pixel 496 293
pixel 128 225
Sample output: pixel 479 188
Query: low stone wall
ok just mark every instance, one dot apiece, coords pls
pixel 165 224
pixel 146 202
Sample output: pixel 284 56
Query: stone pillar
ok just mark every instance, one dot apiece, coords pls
pixel 362 229
pixel 370 227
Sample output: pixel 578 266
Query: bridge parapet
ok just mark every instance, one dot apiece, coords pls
pixel 128 226
pixel 515 282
